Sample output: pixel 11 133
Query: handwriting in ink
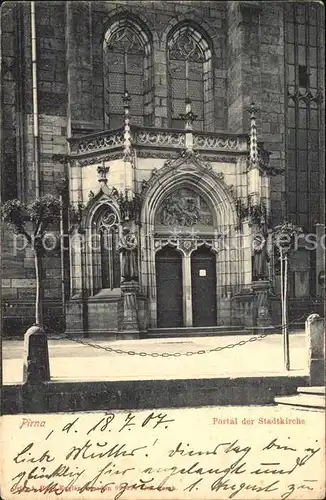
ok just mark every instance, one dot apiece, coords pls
pixel 108 469
pixel 77 452
pixel 274 445
pixel 291 488
pixel 128 422
pixel 226 485
pixel 68 426
pixel 160 420
pixel 42 473
pixel 104 453
pixel 106 421
pixel 44 457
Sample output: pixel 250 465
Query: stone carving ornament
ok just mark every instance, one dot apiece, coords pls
pixel 108 220
pixel 184 208
pixel 124 39
pixel 160 138
pixel 128 246
pixel 186 47
pixel 261 258
pixel 109 140
pixel 213 142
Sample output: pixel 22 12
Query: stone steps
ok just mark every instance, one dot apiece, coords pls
pixel 317 390
pixel 200 331
pixel 307 398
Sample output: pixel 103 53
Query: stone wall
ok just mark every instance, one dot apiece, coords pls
pixel 256 74
pixel 271 129
pixel 149 394
pixel 9 107
pixel 18 176
pixel 18 268
pixel 51 45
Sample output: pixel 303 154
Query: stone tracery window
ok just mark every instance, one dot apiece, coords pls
pixel 127 65
pixel 190 76
pixel 303 113
pixel 108 266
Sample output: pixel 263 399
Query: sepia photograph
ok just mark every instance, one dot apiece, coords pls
pixel 162 250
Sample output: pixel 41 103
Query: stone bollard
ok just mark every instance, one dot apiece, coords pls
pixel 316 348
pixel 36 370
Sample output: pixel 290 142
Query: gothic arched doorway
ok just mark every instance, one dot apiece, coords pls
pixel 169 294
pixel 203 285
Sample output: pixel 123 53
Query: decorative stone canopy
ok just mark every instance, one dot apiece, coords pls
pixel 188 170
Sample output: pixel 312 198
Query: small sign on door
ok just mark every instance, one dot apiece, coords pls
pixel 202 272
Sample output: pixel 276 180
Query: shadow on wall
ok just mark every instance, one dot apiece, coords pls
pixel 15 322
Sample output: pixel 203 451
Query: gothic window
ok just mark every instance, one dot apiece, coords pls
pixel 127 66
pixel 190 76
pixel 303 113
pixel 109 262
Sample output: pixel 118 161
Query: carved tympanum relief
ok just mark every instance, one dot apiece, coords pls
pixel 184 207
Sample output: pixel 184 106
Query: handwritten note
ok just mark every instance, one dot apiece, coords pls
pixel 204 453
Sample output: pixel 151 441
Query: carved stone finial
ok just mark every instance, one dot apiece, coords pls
pixel 126 134
pixel 253 110
pixel 188 116
pixel 126 99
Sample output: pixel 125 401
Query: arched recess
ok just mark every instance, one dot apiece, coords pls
pixel 101 227
pixel 190 75
pixel 127 65
pixel 229 259
pixel 203 180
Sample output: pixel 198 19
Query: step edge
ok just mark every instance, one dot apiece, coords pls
pixel 317 390
pixel 303 408
pixel 288 402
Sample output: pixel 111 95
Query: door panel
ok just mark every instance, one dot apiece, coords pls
pixel 203 284
pixel 169 288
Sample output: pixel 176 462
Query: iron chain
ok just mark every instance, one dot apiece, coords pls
pixel 178 354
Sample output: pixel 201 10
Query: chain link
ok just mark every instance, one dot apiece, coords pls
pixel 178 354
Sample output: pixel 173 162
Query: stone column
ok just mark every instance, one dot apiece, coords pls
pixel 254 181
pixel 187 313
pixel 130 288
pixel 315 335
pixel 266 191
pixel 76 310
pixel 247 253
pixel 76 239
pixel 130 326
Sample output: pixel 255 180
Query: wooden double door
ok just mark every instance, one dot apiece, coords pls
pixel 170 283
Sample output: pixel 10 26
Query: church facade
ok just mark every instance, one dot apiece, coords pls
pixel 177 136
